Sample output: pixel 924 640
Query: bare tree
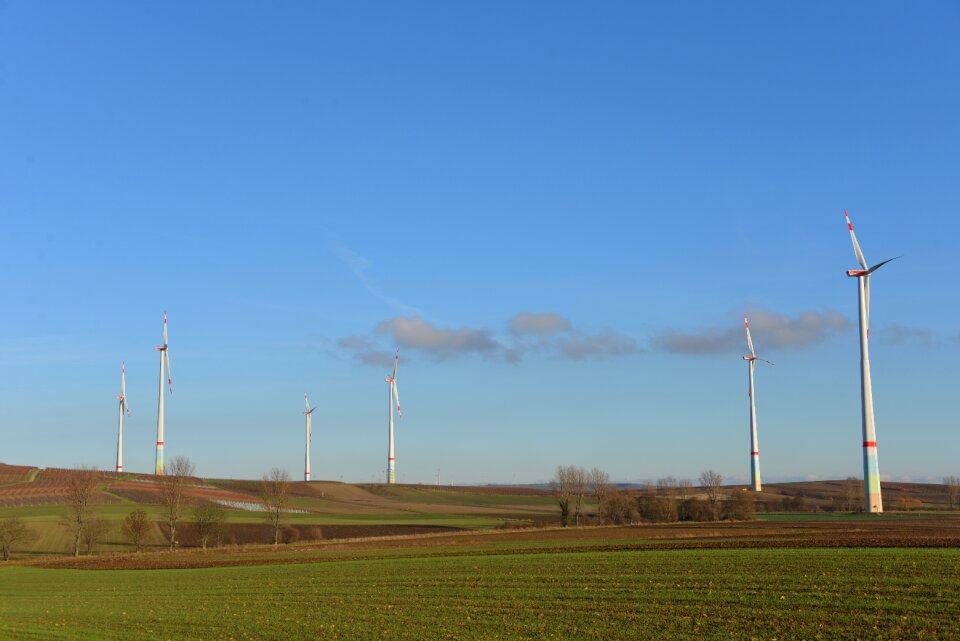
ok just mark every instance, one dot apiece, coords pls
pixel 94 532
pixel 617 507
pixel 135 527
pixel 711 482
pixel 172 487
pixel 852 494
pixel 667 487
pixel 276 498
pixel 562 486
pixel 684 494
pixel 581 486
pixel 12 532
pixel 81 487
pixel 741 507
pixel 953 491
pixel 208 521
pixel 600 486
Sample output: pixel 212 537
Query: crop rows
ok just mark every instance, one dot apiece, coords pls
pixel 699 594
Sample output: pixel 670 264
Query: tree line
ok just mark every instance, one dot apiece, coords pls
pixel 670 499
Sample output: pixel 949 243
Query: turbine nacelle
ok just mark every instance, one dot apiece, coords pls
pixel 854 273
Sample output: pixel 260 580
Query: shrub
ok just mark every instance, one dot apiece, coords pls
pixel 740 507
pixel 657 509
pixel 696 510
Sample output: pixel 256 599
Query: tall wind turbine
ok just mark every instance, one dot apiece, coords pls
pixel 393 394
pixel 871 469
pixel 754 444
pixel 309 414
pixel 124 409
pixel 164 369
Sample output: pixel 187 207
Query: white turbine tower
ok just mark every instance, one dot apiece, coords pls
pixel 754 443
pixel 164 369
pixel 124 409
pixel 393 395
pixel 873 502
pixel 309 415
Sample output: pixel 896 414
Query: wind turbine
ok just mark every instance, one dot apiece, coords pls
pixel 873 502
pixel 164 369
pixel 309 414
pixel 754 444
pixel 393 394
pixel 124 408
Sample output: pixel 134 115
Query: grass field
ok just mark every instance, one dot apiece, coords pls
pixel 884 593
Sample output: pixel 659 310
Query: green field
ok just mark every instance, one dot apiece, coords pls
pixel 681 594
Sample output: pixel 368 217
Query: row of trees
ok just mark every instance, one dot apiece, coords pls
pixel 670 499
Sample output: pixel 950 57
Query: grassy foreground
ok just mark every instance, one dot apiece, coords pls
pixel 841 593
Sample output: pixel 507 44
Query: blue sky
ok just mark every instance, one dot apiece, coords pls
pixel 558 213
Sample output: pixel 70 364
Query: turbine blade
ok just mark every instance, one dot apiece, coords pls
pixel 306 402
pixel 396 361
pixel 856 245
pixel 765 361
pixel 879 265
pixel 749 340
pixel 164 328
pixel 123 388
pixel 396 396
pixel 166 360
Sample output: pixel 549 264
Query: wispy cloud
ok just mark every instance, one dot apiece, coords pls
pixel 543 323
pixel 606 344
pixel 353 342
pixel 897 334
pixel 360 267
pixel 770 331
pixel 365 351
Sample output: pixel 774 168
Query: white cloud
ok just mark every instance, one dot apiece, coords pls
pixel 440 343
pixel 538 323
pixel 770 330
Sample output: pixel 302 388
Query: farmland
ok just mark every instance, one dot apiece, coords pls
pixel 510 592
pixel 415 562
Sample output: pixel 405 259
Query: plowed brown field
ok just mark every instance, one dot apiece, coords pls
pixel 922 532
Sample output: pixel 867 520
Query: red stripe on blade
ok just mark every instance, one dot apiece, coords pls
pixel 869 443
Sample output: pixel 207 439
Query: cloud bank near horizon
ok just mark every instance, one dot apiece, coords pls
pixel 552 334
